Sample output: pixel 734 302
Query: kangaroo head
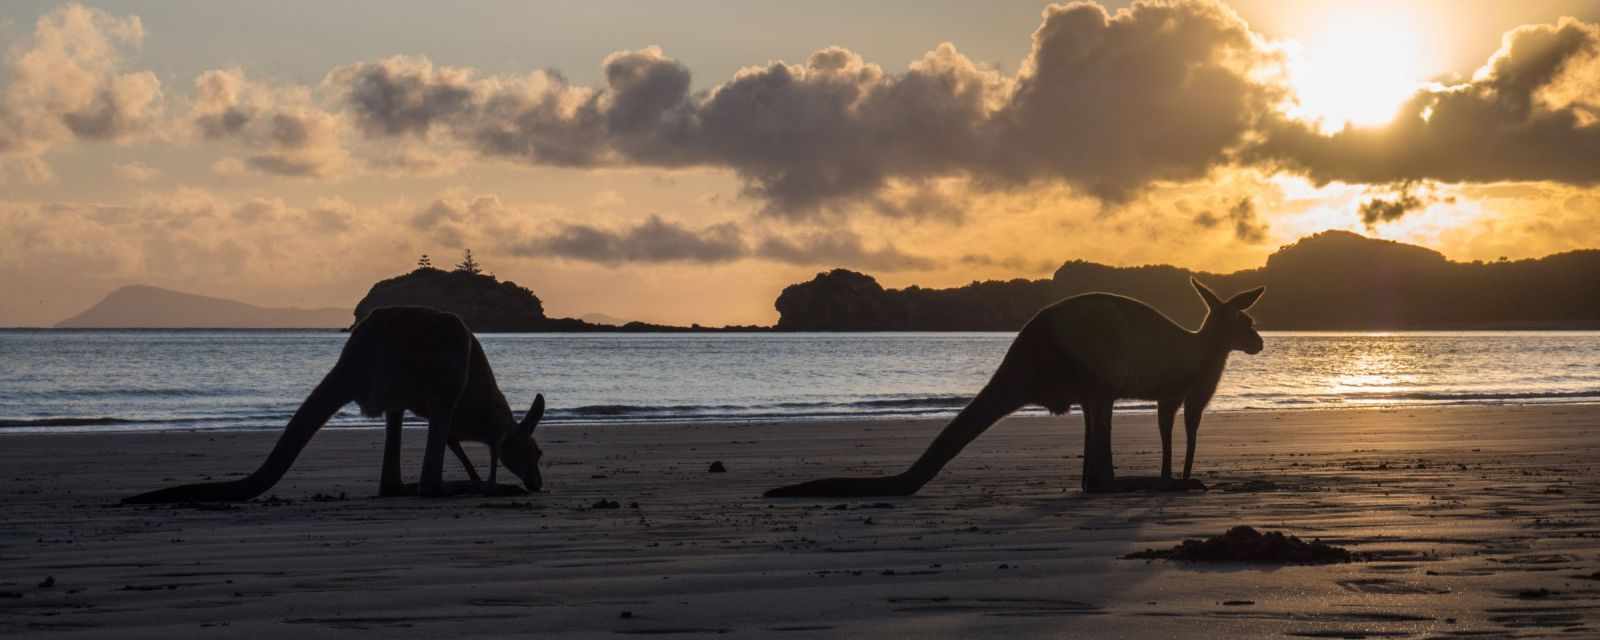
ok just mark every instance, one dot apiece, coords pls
pixel 1228 319
pixel 518 450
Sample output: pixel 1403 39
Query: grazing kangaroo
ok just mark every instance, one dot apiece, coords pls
pixel 399 359
pixel 1089 350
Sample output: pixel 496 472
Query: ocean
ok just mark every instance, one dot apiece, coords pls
pixel 75 381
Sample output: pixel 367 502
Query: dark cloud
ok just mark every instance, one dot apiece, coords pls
pixel 112 115
pixel 1247 224
pixel 1528 115
pixel 657 241
pixel 289 132
pixel 653 241
pixel 221 124
pixel 1405 198
pixel 1105 103
pixel 405 96
pixel 1111 103
pixel 1379 210
pixel 286 165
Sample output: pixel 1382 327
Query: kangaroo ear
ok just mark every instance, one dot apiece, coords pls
pixel 1247 299
pixel 1212 301
pixel 530 420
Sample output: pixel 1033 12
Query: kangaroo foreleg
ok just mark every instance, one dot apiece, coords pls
pixel 431 484
pixel 389 483
pixel 466 463
pixel 1191 429
pixel 1166 412
pixel 1098 472
pixel 494 464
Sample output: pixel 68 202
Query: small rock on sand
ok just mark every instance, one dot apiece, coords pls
pixel 716 467
pixel 1245 544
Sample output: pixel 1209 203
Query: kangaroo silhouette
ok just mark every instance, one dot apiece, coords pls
pixel 1089 350
pixel 399 359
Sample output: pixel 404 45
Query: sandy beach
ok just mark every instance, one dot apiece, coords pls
pixel 1482 522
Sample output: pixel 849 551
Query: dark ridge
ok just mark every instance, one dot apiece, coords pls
pixel 1334 280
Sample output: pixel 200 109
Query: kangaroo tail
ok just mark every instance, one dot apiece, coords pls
pixel 997 399
pixel 325 400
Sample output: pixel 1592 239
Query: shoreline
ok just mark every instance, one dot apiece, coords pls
pixel 120 426
pixel 1484 520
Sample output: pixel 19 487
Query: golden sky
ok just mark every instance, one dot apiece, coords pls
pixel 682 162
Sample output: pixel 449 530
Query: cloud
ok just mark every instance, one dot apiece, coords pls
pixel 840 248
pixel 1010 263
pixel 25 169
pixel 1403 199
pixel 331 215
pixel 653 241
pixel 404 95
pixel 135 171
pixel 259 211
pixel 1171 86
pixel 66 83
pixel 1247 225
pixel 453 220
pixel 1110 103
pixel 281 128
pixel 538 118
pixel 414 160
pixel 657 241
pixel 1529 114
pixel 1378 210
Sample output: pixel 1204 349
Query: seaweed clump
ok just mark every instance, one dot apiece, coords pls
pixel 1247 545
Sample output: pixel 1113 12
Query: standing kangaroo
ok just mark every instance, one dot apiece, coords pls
pixel 1089 350
pixel 399 359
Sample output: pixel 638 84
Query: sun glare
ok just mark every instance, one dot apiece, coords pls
pixel 1358 69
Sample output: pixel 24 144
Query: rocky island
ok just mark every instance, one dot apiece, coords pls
pixel 489 305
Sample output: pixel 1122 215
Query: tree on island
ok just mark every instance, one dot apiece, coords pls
pixel 469 265
pixel 424 262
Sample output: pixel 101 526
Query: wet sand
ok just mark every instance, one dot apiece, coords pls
pixel 1483 522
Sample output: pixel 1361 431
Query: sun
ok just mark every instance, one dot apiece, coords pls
pixel 1357 69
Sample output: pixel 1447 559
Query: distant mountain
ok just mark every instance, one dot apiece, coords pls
pixel 1333 280
pixel 144 307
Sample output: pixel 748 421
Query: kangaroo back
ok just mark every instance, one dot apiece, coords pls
pixel 326 399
